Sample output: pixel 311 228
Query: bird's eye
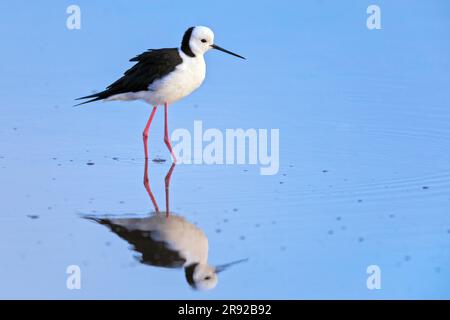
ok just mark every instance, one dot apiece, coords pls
pixel 207 278
pixel 203 40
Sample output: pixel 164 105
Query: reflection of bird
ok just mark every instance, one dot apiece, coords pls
pixel 163 76
pixel 170 242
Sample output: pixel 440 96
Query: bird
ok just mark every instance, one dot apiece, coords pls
pixel 167 240
pixel 172 242
pixel 163 76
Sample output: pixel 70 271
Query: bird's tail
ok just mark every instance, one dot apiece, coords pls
pixel 95 219
pixel 95 97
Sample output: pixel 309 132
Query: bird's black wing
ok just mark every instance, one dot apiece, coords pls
pixel 151 65
pixel 153 252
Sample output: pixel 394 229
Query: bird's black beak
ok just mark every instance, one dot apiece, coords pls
pixel 224 267
pixel 226 51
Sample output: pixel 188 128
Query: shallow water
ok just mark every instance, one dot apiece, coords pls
pixel 364 173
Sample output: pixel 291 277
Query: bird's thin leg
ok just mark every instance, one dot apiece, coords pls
pixel 166 133
pixel 145 133
pixel 167 184
pixel 147 187
pixel 146 180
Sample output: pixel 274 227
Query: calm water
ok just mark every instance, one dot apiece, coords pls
pixel 364 150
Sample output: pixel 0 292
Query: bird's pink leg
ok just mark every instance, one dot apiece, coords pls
pixel 167 184
pixel 166 133
pixel 145 133
pixel 146 180
pixel 147 187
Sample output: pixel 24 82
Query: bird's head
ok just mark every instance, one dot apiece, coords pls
pixel 202 276
pixel 198 40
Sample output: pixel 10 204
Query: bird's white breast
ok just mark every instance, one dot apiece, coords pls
pixel 186 77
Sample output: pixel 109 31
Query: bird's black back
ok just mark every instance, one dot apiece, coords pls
pixel 151 65
pixel 153 252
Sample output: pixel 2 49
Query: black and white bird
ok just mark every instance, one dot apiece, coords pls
pixel 163 76
pixel 169 243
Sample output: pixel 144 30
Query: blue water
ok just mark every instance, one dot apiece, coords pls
pixel 364 149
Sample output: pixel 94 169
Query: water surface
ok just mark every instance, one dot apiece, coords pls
pixel 364 150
